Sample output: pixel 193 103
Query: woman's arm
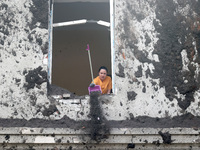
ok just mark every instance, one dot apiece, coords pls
pixel 109 86
pixel 108 92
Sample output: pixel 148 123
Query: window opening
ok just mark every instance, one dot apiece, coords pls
pixel 74 25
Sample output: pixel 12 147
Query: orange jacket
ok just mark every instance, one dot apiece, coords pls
pixel 105 85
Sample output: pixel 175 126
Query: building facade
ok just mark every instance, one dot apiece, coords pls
pixel 154 64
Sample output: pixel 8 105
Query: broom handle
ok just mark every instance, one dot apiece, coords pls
pixel 91 66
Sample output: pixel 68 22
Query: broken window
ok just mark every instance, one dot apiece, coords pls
pixel 74 25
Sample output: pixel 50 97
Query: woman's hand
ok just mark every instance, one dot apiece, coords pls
pixel 92 85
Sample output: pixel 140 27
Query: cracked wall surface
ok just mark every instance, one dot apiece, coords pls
pixel 157 45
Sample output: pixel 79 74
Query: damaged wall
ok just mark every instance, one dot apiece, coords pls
pixel 23 34
pixel 157 46
pixel 157 57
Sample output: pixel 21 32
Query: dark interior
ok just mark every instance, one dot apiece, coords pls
pixel 70 61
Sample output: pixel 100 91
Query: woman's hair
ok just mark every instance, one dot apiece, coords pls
pixel 103 67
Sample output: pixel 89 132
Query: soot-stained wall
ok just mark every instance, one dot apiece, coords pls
pixel 156 64
pixel 23 34
pixel 157 56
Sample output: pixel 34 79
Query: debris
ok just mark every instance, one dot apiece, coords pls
pixel 166 137
pixel 49 111
pixel 66 96
pixel 157 143
pixel 98 123
pixel 131 145
pixel 57 96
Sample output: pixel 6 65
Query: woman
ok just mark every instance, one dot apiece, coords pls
pixel 103 80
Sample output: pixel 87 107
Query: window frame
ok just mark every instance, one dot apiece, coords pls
pixel 112 42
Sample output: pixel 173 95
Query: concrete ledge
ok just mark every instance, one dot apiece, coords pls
pixel 116 131
pixel 119 138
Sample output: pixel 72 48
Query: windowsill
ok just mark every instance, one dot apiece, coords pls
pixel 104 98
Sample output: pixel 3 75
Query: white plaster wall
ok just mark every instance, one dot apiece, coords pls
pixel 15 101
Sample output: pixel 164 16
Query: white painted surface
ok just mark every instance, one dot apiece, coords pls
pixel 42 139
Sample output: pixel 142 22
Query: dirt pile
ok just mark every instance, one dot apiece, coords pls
pixel 166 137
pixel 98 123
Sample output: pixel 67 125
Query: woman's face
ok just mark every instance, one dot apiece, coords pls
pixel 102 74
